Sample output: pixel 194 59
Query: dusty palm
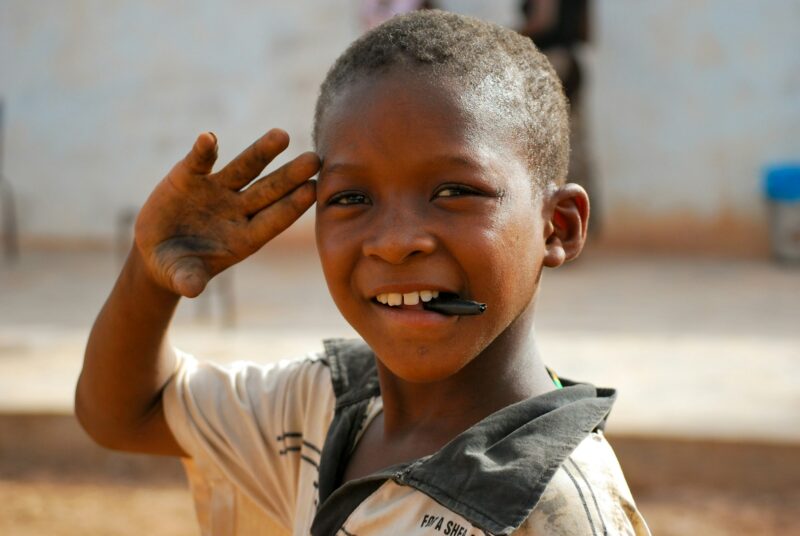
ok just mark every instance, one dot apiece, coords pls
pixel 197 223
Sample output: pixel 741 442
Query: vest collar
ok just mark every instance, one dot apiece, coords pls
pixel 493 474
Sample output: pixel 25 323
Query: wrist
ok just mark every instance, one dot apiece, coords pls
pixel 138 277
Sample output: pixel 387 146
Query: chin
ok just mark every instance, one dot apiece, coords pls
pixel 422 364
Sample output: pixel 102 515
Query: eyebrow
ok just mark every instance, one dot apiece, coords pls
pixel 339 167
pixel 452 160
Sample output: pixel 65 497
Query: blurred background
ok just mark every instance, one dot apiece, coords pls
pixel 687 299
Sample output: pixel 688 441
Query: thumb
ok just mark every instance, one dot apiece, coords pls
pixel 189 277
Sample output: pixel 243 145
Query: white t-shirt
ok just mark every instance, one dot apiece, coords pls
pixel 256 435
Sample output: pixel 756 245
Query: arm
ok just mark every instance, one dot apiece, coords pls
pixel 127 364
pixel 193 226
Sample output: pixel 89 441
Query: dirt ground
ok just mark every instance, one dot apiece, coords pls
pixel 36 508
pixel 62 509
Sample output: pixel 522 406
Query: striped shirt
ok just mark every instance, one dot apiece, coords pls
pixel 268 446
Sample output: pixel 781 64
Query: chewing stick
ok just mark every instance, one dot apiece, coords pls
pixel 455 307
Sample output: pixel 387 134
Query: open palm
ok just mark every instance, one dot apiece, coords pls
pixel 197 223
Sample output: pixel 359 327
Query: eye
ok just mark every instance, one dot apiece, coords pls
pixel 349 198
pixel 455 190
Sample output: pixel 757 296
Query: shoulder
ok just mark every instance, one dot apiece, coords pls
pixel 237 398
pixel 245 379
pixel 587 495
pixel 254 433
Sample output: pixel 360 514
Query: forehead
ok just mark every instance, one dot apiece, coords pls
pixel 412 116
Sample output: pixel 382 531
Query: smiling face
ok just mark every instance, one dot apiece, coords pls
pixel 419 194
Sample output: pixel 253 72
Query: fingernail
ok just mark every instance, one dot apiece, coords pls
pixel 213 136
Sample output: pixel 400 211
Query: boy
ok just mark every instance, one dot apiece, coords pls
pixel 441 146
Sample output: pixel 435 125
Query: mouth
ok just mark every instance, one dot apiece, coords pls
pixel 413 300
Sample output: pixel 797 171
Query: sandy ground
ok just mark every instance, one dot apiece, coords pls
pixel 29 508
pixel 60 509
pixel 702 513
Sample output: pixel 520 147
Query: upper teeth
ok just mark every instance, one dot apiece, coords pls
pixel 407 298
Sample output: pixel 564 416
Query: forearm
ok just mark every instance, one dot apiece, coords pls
pixel 194 225
pixel 128 359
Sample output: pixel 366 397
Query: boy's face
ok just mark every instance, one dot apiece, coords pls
pixel 418 192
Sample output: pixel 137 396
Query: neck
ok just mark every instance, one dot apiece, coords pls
pixel 508 371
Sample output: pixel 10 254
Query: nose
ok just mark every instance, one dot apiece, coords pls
pixel 395 236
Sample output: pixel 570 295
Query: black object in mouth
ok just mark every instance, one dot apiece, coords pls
pixel 451 305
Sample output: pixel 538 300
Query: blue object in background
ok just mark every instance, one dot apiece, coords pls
pixel 782 189
pixel 782 182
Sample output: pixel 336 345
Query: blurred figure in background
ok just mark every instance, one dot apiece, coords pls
pixel 376 12
pixel 557 27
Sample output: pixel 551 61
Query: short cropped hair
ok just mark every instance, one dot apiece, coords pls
pixel 503 70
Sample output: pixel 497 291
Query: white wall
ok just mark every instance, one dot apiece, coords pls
pixel 102 97
pixel 689 99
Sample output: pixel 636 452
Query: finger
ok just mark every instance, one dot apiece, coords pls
pixel 201 158
pixel 274 219
pixel 252 161
pixel 189 277
pixel 266 191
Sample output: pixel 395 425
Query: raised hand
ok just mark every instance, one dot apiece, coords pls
pixel 197 223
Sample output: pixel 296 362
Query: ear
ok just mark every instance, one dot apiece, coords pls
pixel 565 229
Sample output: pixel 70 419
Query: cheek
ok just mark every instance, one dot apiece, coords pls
pixel 337 251
pixel 330 256
pixel 512 259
